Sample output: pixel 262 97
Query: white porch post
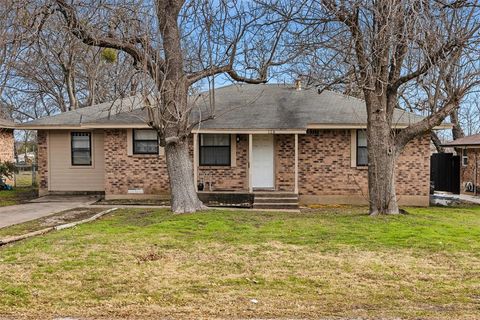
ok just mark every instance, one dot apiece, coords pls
pixel 250 159
pixel 195 160
pixel 296 162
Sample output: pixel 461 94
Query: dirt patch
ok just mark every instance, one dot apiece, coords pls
pixel 134 202
pixel 53 220
pixel 68 216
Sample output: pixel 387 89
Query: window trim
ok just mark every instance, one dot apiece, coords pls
pixel 356 150
pixel 134 141
pixel 201 164
pixel 464 157
pixel 72 133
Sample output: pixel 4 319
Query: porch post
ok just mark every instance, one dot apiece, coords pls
pixel 296 162
pixel 195 160
pixel 250 159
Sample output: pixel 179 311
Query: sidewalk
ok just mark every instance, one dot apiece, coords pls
pixel 40 207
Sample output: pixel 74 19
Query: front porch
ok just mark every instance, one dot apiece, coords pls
pixel 246 162
pixel 255 200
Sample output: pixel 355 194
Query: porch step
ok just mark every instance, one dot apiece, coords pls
pixel 275 200
pixel 279 206
pixel 275 195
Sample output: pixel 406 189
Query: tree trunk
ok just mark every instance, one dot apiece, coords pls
pixel 382 157
pixel 180 170
pixel 436 141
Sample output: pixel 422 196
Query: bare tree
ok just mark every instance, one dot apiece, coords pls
pixel 176 45
pixel 390 44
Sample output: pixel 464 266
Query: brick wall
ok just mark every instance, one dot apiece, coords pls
pixel 42 150
pixel 229 178
pixel 285 162
pixel 6 145
pixel 325 166
pixel 124 172
pixel 467 173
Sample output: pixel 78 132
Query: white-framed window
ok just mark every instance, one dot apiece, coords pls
pixel 81 148
pixel 145 141
pixel 464 157
pixel 362 153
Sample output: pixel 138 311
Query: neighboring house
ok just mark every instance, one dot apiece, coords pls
pixel 6 140
pixel 26 158
pixel 468 148
pixel 264 138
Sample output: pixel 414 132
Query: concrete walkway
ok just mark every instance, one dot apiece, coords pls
pixel 40 207
pixel 444 198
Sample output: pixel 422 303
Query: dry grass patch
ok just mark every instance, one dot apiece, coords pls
pixel 149 264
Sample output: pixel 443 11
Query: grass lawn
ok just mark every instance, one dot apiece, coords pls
pixel 16 196
pixel 148 264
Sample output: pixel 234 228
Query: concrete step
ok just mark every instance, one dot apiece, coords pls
pixel 275 195
pixel 278 206
pixel 276 200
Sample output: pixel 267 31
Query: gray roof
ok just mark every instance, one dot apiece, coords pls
pixel 244 106
pixel 5 118
pixel 473 140
pixel 4 123
pixel 88 114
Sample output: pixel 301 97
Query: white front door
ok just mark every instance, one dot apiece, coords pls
pixel 263 163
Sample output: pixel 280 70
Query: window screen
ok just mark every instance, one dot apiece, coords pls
pixel 362 153
pixel 214 149
pixel 145 142
pixel 81 148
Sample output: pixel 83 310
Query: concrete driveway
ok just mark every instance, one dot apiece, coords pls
pixel 41 207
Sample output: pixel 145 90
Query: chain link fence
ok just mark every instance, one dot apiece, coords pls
pixel 26 176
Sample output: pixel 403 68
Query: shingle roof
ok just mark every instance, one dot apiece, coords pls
pixel 4 123
pixel 473 140
pixel 88 114
pixel 244 106
pixel 5 118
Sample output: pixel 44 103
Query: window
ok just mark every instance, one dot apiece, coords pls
pixel 214 149
pixel 464 157
pixel 145 141
pixel 81 148
pixel 362 154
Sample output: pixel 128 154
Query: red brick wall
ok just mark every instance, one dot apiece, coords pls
pixel 229 178
pixel 325 166
pixel 42 138
pixel 285 162
pixel 6 145
pixel 467 173
pixel 124 172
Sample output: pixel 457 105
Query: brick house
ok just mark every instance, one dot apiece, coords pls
pixel 468 148
pixel 264 138
pixel 6 140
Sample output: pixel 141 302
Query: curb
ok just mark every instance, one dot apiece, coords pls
pixel 49 229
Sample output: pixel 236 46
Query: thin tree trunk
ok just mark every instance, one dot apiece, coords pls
pixel 382 157
pixel 457 131
pixel 436 141
pixel 180 170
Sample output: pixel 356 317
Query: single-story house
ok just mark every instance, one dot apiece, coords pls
pixel 468 148
pixel 6 140
pixel 264 138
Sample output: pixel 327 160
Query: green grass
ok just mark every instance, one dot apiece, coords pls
pixel 16 196
pixel 141 263
pixel 52 220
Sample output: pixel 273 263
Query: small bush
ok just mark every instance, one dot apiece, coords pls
pixel 7 169
pixel 109 55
